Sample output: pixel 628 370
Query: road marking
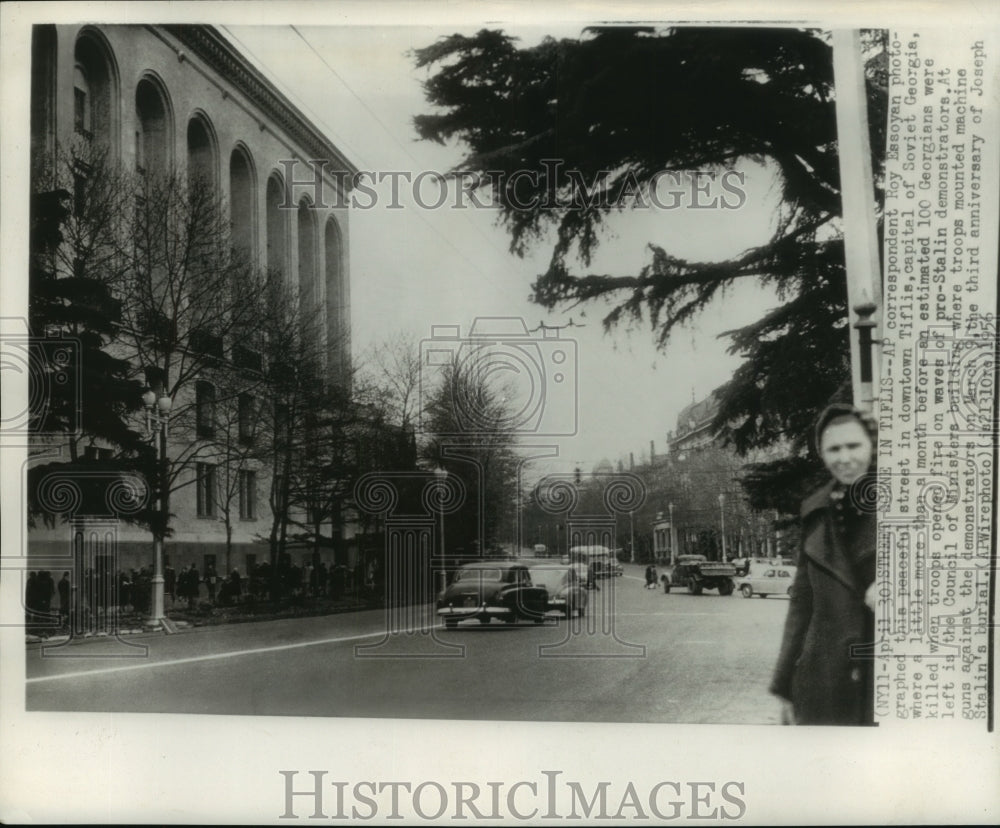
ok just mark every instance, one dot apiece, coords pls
pixel 671 614
pixel 210 657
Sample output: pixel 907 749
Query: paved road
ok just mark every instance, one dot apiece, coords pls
pixel 639 656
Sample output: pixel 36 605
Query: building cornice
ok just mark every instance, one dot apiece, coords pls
pixel 210 46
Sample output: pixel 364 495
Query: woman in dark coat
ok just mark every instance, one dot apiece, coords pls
pixel 822 674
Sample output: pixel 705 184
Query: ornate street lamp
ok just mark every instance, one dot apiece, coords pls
pixel 722 513
pixel 157 420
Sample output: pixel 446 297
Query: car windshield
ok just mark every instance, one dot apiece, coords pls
pixel 479 575
pixel 549 577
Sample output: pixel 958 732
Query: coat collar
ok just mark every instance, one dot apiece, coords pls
pixel 822 543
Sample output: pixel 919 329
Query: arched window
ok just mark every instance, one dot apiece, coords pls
pixel 202 163
pixel 43 95
pixel 81 102
pixel 94 90
pixel 308 283
pixel 243 204
pixel 152 128
pixel 336 295
pixel 277 226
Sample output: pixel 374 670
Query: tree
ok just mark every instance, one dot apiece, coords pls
pixel 238 454
pixel 290 333
pixel 469 432
pixel 596 121
pixel 146 278
pixel 322 480
pixel 87 393
pixel 392 379
pixel 189 300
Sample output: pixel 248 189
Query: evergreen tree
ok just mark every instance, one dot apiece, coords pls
pixel 84 395
pixel 597 120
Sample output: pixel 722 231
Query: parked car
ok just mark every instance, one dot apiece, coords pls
pixel 769 580
pixel 492 589
pixel 567 592
pixel 744 566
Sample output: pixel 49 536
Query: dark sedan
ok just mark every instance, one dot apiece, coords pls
pixel 567 592
pixel 493 589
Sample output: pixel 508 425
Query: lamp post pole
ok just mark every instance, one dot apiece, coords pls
pixel 631 533
pixel 442 476
pixel 157 419
pixel 722 513
pixel 673 535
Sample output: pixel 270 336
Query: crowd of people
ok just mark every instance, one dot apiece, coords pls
pixel 130 591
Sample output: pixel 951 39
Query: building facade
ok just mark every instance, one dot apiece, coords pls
pixel 159 99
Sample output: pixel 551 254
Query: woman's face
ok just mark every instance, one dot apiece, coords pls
pixel 846 450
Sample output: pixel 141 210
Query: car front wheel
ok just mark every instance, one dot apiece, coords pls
pixel 746 590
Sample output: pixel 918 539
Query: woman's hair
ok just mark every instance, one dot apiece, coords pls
pixel 838 412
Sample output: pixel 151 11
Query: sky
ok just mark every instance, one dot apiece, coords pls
pixel 415 267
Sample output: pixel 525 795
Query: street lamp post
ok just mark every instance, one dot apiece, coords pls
pixel 722 513
pixel 631 533
pixel 157 419
pixel 673 535
pixel 442 476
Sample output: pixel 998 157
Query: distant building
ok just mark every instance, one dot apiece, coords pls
pixel 694 425
pixel 693 491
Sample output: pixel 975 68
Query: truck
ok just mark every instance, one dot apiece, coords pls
pixel 696 573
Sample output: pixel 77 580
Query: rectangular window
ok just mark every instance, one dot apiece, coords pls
pixel 205 409
pixel 206 490
pixel 80 110
pixel 248 495
pixel 246 419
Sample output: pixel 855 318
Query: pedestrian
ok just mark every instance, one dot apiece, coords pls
pixel 819 676
pixel 170 583
pixel 124 590
pixel 31 597
pixel 236 587
pixel 63 588
pixel 210 581
pixel 46 591
pixel 193 586
pixel 322 579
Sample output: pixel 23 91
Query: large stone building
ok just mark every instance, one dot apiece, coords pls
pixel 182 98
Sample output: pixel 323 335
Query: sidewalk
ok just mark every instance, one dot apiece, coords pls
pixel 205 613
